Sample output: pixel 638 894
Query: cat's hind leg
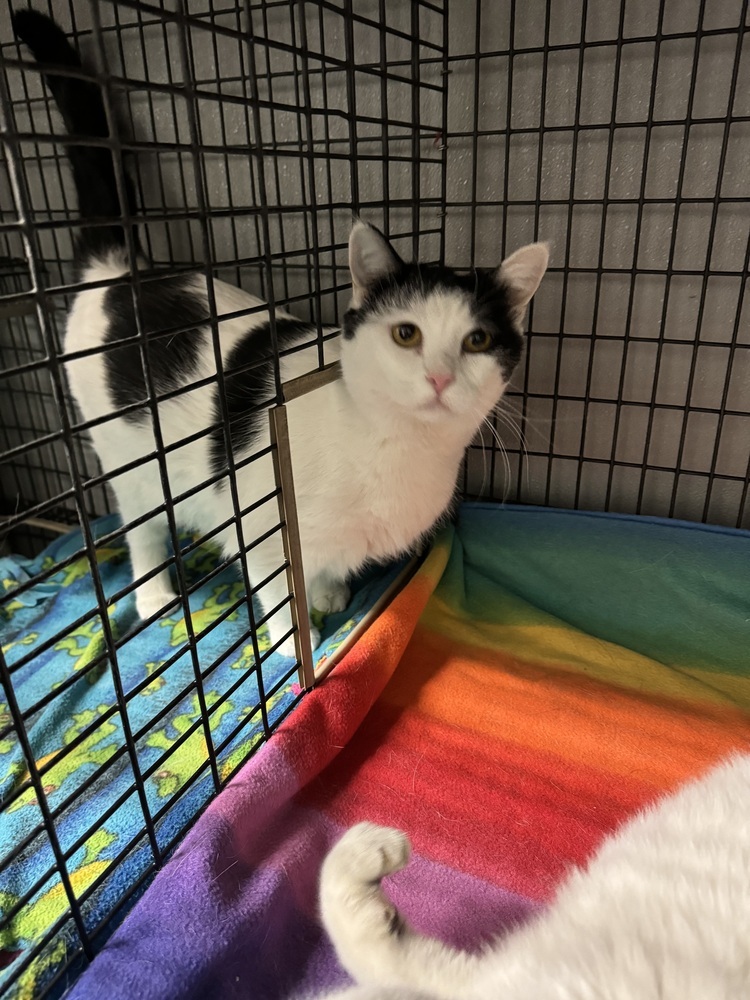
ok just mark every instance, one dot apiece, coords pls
pixel 148 548
pixel 373 942
pixel 147 543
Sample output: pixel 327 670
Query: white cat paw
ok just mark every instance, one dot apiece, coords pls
pixel 156 602
pixel 368 852
pixel 360 919
pixel 287 647
pixel 328 596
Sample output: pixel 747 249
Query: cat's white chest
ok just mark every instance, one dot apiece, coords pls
pixel 407 493
pixel 362 495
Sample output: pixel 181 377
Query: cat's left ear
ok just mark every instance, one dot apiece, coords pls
pixel 521 273
pixel 371 260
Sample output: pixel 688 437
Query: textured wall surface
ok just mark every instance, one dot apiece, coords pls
pixel 618 131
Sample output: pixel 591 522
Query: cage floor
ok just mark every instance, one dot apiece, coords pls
pixel 543 676
pixel 67 691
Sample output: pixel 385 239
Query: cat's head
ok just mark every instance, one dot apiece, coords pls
pixel 424 340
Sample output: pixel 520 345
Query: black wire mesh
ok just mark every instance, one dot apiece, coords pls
pixel 618 130
pixel 252 132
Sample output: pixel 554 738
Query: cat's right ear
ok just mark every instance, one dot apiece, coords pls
pixel 371 260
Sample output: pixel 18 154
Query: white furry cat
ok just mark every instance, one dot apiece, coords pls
pixel 426 354
pixel 662 912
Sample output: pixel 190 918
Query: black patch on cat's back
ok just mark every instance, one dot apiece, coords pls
pixel 248 391
pixel 166 304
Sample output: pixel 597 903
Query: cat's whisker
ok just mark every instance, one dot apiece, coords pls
pixel 508 471
pixel 483 451
pixel 505 407
pixel 498 440
pixel 511 424
pixel 525 459
pixel 517 421
pixel 503 452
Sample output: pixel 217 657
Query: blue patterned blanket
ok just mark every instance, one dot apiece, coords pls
pixel 80 743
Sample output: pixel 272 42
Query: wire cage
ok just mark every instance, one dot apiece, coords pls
pixel 617 130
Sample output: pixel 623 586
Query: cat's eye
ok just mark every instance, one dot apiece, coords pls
pixel 477 341
pixel 406 335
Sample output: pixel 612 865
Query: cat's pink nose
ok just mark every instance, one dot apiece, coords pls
pixel 440 382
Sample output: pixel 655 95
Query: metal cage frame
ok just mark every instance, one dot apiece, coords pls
pixel 267 124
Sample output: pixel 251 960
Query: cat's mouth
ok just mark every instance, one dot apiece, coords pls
pixel 436 405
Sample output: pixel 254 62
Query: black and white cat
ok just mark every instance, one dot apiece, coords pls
pixel 661 913
pixel 425 353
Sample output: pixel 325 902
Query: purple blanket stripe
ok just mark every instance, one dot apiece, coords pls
pixel 233 916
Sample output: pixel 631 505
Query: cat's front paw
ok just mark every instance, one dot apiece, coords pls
pixel 368 853
pixel 153 603
pixel 328 596
pixel 287 648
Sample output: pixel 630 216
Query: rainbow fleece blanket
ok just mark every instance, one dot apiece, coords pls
pixel 543 676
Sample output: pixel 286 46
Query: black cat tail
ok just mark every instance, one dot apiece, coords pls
pixel 82 109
